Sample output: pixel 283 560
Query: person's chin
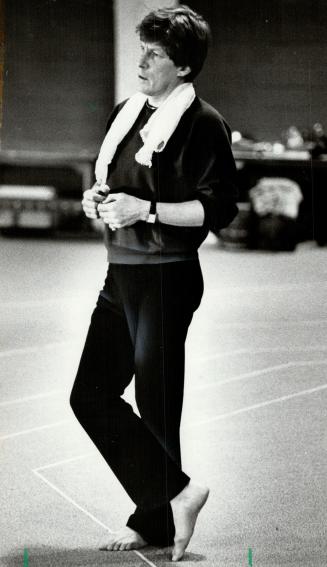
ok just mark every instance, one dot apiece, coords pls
pixel 144 87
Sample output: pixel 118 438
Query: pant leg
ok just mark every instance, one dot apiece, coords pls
pixel 123 439
pixel 105 370
pixel 166 310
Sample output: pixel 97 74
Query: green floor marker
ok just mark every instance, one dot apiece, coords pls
pixel 25 558
pixel 250 557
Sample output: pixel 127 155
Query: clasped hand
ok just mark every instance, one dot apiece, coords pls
pixel 117 209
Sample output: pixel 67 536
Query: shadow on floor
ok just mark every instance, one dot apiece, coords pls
pixel 53 557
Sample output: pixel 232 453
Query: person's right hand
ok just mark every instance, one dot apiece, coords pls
pixel 91 199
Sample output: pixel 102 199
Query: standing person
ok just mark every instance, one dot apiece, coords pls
pixel 168 162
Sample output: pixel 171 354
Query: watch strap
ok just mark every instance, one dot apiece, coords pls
pixel 152 216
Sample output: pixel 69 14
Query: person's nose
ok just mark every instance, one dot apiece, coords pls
pixel 143 61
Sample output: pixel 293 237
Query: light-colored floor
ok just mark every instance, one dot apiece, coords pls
pixel 254 422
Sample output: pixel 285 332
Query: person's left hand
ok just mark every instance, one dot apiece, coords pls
pixel 119 210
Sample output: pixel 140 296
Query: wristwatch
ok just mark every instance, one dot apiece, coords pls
pixel 152 216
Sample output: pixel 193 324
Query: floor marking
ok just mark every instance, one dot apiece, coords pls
pixel 54 301
pixel 68 343
pixel 33 349
pixel 261 372
pixel 34 429
pixel 262 350
pixel 31 398
pixel 86 512
pixel 265 288
pixel 271 324
pixel 65 461
pixel 255 406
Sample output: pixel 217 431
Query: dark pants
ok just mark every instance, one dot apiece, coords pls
pixel 139 327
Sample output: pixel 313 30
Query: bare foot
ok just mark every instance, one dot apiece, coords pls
pixel 186 507
pixel 124 540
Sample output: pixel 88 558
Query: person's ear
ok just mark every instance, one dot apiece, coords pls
pixel 183 71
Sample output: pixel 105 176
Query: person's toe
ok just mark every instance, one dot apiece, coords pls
pixel 129 546
pixel 125 539
pixel 178 552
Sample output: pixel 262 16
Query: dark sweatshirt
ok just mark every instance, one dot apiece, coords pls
pixel 197 163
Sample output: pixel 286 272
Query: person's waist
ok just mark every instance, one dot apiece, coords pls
pixel 120 255
pixel 158 243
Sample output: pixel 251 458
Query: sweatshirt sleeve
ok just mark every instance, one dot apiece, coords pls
pixel 212 170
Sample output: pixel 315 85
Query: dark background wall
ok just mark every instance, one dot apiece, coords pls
pixel 265 71
pixel 267 65
pixel 59 74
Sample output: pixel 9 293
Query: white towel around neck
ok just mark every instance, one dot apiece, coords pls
pixel 156 132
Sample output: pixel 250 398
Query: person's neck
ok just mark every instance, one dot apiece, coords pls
pixel 152 107
pixel 156 101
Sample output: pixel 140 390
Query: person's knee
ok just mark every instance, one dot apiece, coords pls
pixel 75 401
pixel 80 401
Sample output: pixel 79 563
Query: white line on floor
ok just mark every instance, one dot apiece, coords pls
pixel 31 398
pixel 38 348
pixel 263 350
pixel 262 371
pixel 70 500
pixel 271 324
pixel 264 288
pixel 86 512
pixel 34 429
pixel 84 297
pixel 65 461
pixel 68 343
pixel 255 406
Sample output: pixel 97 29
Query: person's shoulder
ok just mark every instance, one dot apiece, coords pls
pixel 203 108
pixel 112 115
pixel 206 116
pixel 122 103
pixel 119 106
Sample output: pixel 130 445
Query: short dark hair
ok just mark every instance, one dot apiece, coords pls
pixel 183 34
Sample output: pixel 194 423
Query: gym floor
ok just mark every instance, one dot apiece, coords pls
pixel 254 422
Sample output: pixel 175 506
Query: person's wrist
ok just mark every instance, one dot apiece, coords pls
pixel 145 210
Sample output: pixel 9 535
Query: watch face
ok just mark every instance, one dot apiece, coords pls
pixel 152 218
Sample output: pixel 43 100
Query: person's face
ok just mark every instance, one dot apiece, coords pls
pixel 157 73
